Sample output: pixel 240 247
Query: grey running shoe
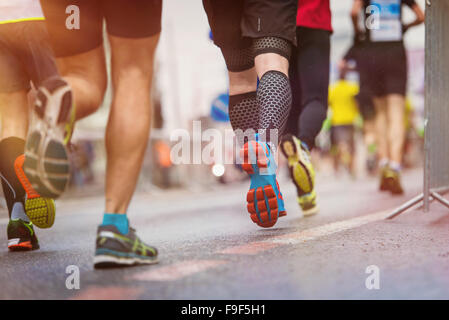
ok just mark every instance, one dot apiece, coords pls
pixel 116 250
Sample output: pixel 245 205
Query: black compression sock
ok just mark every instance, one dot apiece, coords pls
pixel 311 121
pixel 244 115
pixel 10 149
pixel 274 98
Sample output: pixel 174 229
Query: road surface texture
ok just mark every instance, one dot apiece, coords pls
pixel 209 248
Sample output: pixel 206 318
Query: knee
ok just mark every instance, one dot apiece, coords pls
pixel 271 54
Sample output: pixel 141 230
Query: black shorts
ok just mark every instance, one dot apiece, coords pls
pixel 235 23
pixel 25 56
pixel 124 18
pixel 385 68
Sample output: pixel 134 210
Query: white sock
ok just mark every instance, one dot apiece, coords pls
pixel 395 166
pixel 383 162
pixel 18 212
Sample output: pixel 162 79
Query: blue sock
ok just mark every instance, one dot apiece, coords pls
pixel 305 146
pixel 118 220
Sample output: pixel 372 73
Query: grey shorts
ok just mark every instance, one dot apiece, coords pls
pixel 25 56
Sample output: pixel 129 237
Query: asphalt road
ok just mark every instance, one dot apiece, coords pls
pixel 209 249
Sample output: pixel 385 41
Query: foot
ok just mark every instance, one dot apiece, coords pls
pixel 301 172
pixel 393 179
pixel 46 159
pixel 115 249
pixel 265 202
pixel 41 211
pixel 21 236
pixel 384 184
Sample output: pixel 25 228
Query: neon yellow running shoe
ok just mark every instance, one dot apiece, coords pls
pixel 301 172
pixel 40 210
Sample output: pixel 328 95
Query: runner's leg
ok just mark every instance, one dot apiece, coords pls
pixel 396 126
pixel 129 121
pixel 86 74
pixel 381 120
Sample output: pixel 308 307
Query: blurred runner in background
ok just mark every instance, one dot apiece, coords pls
pixel 76 33
pixel 354 59
pixel 256 39
pixel 343 114
pixel 309 78
pixel 387 68
pixel 25 60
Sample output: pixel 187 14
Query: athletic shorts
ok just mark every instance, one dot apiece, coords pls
pixel 25 56
pixel 235 23
pixel 385 68
pixel 124 18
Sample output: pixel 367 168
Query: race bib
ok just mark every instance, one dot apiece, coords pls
pixel 385 20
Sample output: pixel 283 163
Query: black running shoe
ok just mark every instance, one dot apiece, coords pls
pixel 116 250
pixel 46 157
pixel 21 236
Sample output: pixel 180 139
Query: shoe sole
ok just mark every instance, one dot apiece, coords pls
pixel 108 261
pixel 46 165
pixel 41 211
pixel 261 198
pixel 46 157
pixel 310 212
pixel 16 245
pixel 290 151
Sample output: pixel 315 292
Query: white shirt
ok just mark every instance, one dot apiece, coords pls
pixel 18 10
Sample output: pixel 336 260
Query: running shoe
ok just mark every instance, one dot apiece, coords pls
pixel 21 236
pixel 384 184
pixel 301 172
pixel 46 157
pixel 265 201
pixel 41 211
pixel 394 182
pixel 115 249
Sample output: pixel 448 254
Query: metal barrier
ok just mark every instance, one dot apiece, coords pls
pixel 436 145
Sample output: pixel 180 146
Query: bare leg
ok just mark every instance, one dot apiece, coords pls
pixel 242 82
pixel 14 114
pixel 86 74
pixel 369 128
pixel 270 62
pixel 380 104
pixel 130 118
pixel 396 126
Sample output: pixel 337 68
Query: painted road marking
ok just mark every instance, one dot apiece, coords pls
pixel 328 229
pixel 250 248
pixel 177 270
pixel 305 235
